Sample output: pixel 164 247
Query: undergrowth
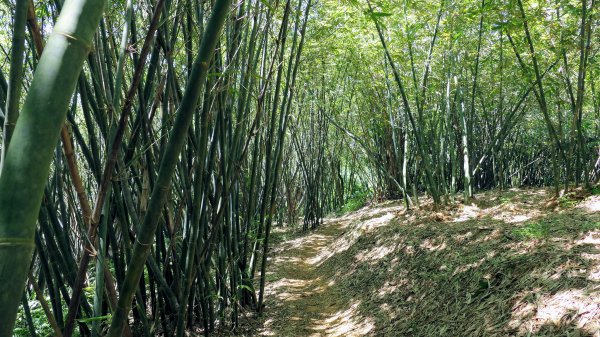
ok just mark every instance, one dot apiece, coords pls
pixel 356 201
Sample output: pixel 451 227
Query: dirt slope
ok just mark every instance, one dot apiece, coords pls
pixel 509 264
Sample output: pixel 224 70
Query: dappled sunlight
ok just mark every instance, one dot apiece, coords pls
pixel 594 273
pixel 377 222
pixel 494 234
pixel 432 245
pixel 288 289
pixel 341 244
pixel 518 218
pixel 285 259
pixel 522 247
pixel 522 206
pixel 527 193
pixel 267 328
pixel 301 242
pixel 375 254
pixel 466 267
pixel 391 286
pixel 305 295
pixel 468 212
pixel 591 238
pixel 475 237
pixel 522 310
pixel 347 322
pixel 463 237
pixel 512 213
pixel 510 265
pixel 367 212
pixel 575 306
pixel 345 241
pixel 409 250
pixel 389 310
pixel 514 206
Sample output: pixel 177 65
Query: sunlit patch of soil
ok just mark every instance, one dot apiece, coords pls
pixel 591 204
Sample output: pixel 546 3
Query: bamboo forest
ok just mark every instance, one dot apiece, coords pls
pixel 299 168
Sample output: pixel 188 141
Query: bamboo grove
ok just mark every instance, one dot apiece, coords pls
pixel 149 148
pixel 160 193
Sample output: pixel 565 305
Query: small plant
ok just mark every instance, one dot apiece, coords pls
pixel 534 230
pixel 566 202
pixel 272 277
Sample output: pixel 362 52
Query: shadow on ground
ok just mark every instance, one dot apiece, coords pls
pixel 509 264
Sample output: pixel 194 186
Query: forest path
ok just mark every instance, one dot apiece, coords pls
pixel 302 296
pixel 299 299
pixel 302 299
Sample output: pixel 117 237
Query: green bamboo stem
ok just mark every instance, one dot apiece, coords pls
pixel 40 297
pixel 11 112
pixel 432 186
pixel 27 161
pixel 169 160
pixel 115 148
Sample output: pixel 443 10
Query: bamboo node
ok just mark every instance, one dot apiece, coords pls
pixel 16 242
pixel 142 244
pixel 87 46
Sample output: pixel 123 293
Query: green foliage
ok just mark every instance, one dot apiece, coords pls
pixel 42 327
pixel 267 4
pixel 546 229
pixel 566 202
pixel 588 226
pixel 40 322
pixel 357 200
pixel 273 277
pixel 246 287
pixel 534 230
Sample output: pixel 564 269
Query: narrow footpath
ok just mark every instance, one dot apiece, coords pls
pixel 302 299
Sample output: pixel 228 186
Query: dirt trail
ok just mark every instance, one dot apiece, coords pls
pixel 300 298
